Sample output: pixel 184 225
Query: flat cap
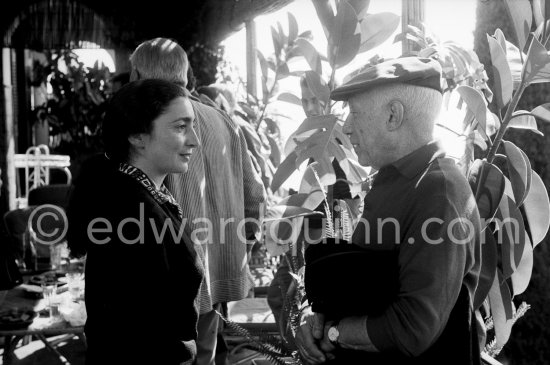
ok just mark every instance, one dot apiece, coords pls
pixel 409 70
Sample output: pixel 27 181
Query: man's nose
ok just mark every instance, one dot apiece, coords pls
pixel 347 129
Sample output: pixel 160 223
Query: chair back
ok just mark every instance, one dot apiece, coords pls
pixel 15 222
pixel 28 242
pixel 56 194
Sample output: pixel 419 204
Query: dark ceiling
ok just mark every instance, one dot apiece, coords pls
pixel 125 23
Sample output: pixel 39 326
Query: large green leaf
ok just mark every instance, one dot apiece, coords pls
pixel 519 171
pixel 529 175
pixel 499 36
pixel 515 61
pixel 348 50
pixel 325 14
pixel 319 146
pixel 320 133
pixel 306 129
pixel 322 146
pixel 475 138
pixel 277 41
pixel 537 65
pixel 355 173
pixel 488 268
pixel 487 183
pixel 292 28
pixel 263 63
pixel 282 71
pixel 283 221
pixel 343 43
pixel 376 29
pixel 285 169
pixel 275 154
pixel 510 235
pixel 493 123
pixel 522 275
pixel 520 12
pixel 290 98
pixel 419 41
pixel 263 67
pixel 502 309
pixel 502 75
pixel 522 119
pixel 282 36
pixel 475 103
pixel 309 200
pixel 318 86
pixel 537 210
pixel 542 112
pixel 315 178
pixel 310 54
pixel 360 6
pixel 315 123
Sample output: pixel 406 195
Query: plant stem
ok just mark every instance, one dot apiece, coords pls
pixel 450 130
pixel 267 99
pixel 511 107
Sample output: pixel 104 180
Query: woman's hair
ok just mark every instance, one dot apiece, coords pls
pixel 132 110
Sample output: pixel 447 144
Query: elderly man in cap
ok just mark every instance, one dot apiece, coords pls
pixel 420 227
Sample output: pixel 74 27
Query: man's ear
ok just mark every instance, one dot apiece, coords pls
pixel 134 75
pixel 397 111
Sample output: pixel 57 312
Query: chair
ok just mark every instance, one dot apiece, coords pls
pixel 32 256
pixel 56 194
pixel 37 163
pixel 15 222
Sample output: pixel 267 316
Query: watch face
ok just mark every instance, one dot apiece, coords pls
pixel 333 334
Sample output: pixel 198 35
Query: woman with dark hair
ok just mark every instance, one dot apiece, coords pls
pixel 142 272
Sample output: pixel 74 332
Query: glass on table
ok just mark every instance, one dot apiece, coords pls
pixel 75 284
pixel 49 292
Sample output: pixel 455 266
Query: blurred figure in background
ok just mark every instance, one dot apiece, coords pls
pixel 119 80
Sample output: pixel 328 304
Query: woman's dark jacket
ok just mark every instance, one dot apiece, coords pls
pixel 141 284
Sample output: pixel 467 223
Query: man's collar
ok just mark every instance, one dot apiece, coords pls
pixel 416 161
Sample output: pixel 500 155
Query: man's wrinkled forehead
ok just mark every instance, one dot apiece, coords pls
pixel 360 102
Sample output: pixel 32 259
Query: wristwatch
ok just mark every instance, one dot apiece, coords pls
pixel 333 334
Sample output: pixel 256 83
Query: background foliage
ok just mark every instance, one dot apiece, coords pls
pixel 74 108
pixel 529 341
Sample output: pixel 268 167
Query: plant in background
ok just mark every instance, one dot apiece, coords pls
pixel 511 197
pixel 75 106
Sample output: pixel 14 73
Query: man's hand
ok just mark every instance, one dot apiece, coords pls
pixel 312 326
pixel 326 346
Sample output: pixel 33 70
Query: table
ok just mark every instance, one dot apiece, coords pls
pixel 41 327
